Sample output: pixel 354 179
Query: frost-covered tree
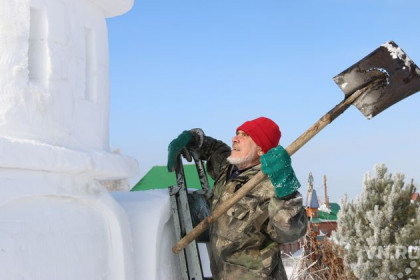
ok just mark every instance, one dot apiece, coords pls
pixel 380 230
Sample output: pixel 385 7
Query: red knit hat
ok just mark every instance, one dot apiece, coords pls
pixel 265 133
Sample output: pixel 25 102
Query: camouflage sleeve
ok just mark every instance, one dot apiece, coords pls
pixel 215 153
pixel 287 218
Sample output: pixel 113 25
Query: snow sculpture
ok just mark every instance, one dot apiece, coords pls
pixel 56 220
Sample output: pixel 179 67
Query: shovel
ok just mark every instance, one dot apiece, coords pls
pixel 381 79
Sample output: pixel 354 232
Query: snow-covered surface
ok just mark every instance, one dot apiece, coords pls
pixel 54 92
pixel 54 73
pixel 35 155
pixel 56 220
pixel 324 208
pixel 154 235
pixel 57 226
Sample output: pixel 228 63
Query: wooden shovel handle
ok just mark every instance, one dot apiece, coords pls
pixel 323 122
pixel 291 149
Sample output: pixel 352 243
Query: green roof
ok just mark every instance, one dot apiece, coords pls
pixel 327 216
pixel 159 178
pixel 334 207
pixel 324 216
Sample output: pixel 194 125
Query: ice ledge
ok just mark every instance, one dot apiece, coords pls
pixel 34 155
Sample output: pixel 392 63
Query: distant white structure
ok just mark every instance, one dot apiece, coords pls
pixel 56 220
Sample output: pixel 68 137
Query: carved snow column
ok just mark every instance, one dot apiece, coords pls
pixel 56 220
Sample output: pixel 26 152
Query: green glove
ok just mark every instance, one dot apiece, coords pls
pixel 177 146
pixel 276 164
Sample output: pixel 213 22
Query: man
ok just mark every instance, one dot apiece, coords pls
pixel 244 242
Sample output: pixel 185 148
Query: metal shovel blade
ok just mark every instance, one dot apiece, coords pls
pixel 390 61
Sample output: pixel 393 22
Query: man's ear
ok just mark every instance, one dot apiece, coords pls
pixel 260 152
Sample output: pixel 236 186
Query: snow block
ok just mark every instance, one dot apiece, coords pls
pixel 61 227
pixel 153 233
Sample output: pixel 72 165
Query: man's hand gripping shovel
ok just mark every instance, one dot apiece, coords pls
pixel 381 79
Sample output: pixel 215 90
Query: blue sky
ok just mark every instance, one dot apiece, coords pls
pixel 176 65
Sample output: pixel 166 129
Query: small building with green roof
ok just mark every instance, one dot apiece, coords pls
pixel 324 219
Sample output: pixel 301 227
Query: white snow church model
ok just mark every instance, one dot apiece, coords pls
pixel 57 221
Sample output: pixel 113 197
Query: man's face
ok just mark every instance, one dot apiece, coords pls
pixel 245 152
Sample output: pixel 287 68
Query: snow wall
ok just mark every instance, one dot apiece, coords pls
pixel 57 220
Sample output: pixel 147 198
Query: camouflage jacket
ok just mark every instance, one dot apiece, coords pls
pixel 244 242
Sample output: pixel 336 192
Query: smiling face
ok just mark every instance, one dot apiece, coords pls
pixel 245 152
